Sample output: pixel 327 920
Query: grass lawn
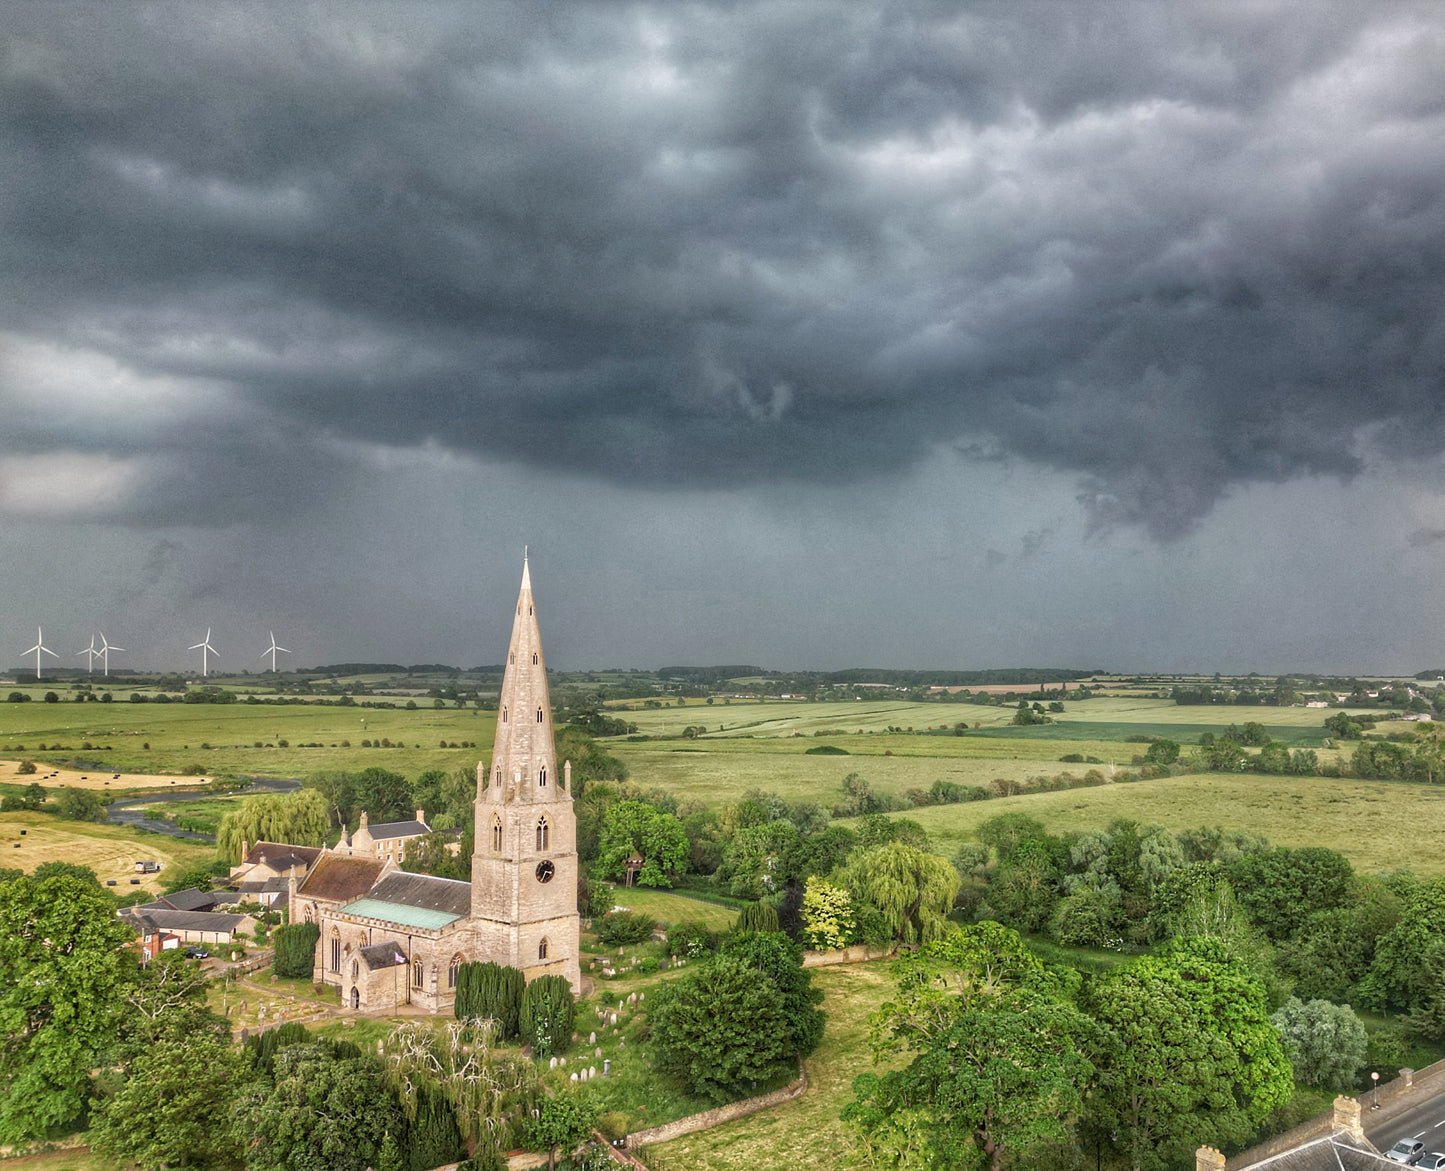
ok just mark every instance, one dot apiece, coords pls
pixel 808 1131
pixel 1379 825
pixel 75 1159
pixel 669 907
pixel 110 850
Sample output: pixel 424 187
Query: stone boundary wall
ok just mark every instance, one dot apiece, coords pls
pixel 1323 1124
pixel 716 1117
pixel 859 953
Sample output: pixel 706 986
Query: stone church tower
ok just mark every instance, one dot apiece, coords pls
pixel 524 869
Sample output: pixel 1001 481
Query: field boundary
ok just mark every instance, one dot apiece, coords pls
pixel 707 1119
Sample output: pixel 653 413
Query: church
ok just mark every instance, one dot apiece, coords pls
pixel 389 937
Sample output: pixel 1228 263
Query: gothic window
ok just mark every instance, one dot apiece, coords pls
pixel 504 713
pixel 454 969
pixel 310 913
pixel 534 658
pixel 544 834
pixel 539 715
pixel 416 974
pixel 355 969
pixel 542 950
pixel 512 658
pixel 496 834
pixel 335 950
pixel 498 781
pixel 542 777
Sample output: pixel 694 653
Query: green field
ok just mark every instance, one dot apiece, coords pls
pixel 1379 825
pixel 670 908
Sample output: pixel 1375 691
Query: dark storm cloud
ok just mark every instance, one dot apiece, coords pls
pixel 1167 248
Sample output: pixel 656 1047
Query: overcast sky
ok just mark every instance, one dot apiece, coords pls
pixel 800 334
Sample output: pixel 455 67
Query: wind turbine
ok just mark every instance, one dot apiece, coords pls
pixel 205 647
pixel 272 649
pixel 106 648
pixel 92 652
pixel 37 648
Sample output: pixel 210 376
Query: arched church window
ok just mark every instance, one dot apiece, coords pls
pixel 416 974
pixel 310 913
pixel 496 834
pixel 539 715
pixel 542 950
pixel 355 968
pixel 454 969
pixel 335 950
pixel 504 713
pixel 544 834
pixel 534 658
pixel 512 658
pixel 542 777
pixel 498 780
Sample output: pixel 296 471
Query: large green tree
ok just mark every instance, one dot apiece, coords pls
pixel 1325 1043
pixel 777 958
pixel 170 1108
pixel 562 1122
pixel 301 818
pixel 911 890
pixel 635 827
pixel 719 1029
pixel 1191 1056
pixel 318 1113
pixel 62 971
pixel 1001 1056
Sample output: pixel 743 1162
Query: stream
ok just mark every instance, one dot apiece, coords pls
pixel 131 811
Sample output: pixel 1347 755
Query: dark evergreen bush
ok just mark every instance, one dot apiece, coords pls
pixel 295 950
pixel 547 1012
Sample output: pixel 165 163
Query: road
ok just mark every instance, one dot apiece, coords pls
pixel 1425 1122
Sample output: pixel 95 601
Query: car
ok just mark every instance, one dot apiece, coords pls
pixel 1408 1151
pixel 197 953
pixel 1434 1161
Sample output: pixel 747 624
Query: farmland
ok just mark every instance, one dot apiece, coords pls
pixel 110 850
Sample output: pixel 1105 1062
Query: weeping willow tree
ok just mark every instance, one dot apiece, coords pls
pixel 913 891
pixel 298 819
pixel 491 1090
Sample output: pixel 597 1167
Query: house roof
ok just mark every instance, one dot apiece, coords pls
pixel 338 878
pixel 155 918
pixel 262 886
pixel 1334 1152
pixel 192 899
pixel 383 955
pixel 398 829
pixel 281 855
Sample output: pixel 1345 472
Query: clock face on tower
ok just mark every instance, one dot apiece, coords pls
pixel 545 870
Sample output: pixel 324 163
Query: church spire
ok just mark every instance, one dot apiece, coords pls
pixel 524 755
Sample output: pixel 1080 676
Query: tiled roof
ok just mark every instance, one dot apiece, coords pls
pixel 183 920
pixel 192 899
pixel 383 955
pixel 398 829
pixel 424 890
pixel 281 855
pixel 340 879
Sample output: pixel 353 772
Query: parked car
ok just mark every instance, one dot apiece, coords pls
pixel 1434 1161
pixel 200 953
pixel 1408 1151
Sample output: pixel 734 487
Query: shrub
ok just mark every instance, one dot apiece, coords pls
pixel 547 1012
pixel 491 991
pixel 295 950
pixel 27 768
pixel 758 916
pixel 1326 1043
pixel 690 940
pixel 622 927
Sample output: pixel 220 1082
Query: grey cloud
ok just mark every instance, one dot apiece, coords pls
pixel 1168 252
pixel 1424 538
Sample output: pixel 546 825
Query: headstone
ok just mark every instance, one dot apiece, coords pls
pixel 562 1061
pixel 591 1038
pixel 574 1077
pixel 591 1072
pixel 606 1066
pixel 552 1064
pixel 597 1052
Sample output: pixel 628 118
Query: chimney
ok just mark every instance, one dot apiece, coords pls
pixel 421 816
pixel 245 849
pixel 1347 1117
pixel 362 826
pixel 1208 1159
